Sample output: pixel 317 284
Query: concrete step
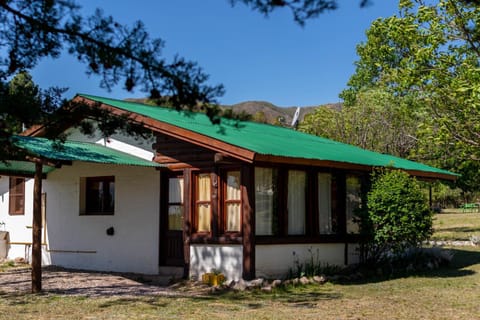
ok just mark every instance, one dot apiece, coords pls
pixel 173 272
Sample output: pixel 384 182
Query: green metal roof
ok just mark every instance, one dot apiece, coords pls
pixel 21 168
pixel 266 139
pixel 78 151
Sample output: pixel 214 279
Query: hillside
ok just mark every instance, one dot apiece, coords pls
pixel 263 111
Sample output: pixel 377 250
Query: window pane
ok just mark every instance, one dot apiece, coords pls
pixel 100 195
pixel 353 202
pixel 203 211
pixel 297 185
pixel 233 185
pixel 324 203
pixel 265 193
pixel 175 217
pixel 175 189
pixel 233 217
pixel 203 188
pixel 16 196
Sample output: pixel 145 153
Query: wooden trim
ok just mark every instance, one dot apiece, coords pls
pixel 344 165
pixel 187 219
pixel 14 195
pixel 180 133
pixel 248 220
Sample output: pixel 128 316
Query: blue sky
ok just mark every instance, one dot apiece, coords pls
pixel 271 59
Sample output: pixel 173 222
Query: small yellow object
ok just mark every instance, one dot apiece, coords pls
pixel 213 279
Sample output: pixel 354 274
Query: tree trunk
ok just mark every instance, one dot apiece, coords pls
pixel 37 230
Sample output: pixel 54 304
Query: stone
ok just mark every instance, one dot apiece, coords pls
pixel 267 288
pixel 256 283
pixel 320 279
pixel 276 283
pixel 304 281
pixel 241 285
pixel 295 281
pixel 19 260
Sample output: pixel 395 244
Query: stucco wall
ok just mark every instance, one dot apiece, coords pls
pixel 274 261
pixel 133 247
pixel 225 258
pixel 18 226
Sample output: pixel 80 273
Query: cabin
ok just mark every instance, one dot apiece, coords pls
pixel 243 198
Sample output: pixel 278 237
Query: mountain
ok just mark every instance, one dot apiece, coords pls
pixel 266 112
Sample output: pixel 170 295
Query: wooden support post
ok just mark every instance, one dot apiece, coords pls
pixel 37 230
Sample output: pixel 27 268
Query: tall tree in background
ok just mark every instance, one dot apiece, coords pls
pixel 427 59
pixel 376 121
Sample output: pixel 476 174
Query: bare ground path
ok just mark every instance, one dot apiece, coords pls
pixel 94 284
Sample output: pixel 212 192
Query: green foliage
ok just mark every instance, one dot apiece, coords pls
pixel 397 216
pixel 427 57
pixel 377 121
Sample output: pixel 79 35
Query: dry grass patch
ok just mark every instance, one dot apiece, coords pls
pixel 456 226
pixel 447 293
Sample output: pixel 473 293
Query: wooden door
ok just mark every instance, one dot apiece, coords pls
pixel 171 220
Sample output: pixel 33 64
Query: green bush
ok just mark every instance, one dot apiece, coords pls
pixel 397 216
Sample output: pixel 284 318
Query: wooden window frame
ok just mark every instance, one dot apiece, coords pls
pixel 106 182
pixel 180 204
pixel 312 232
pixel 196 202
pixel 14 182
pixel 225 202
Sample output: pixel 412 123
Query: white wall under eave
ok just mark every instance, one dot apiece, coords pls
pixel 275 261
pixel 227 259
pixel 81 241
pixel 19 226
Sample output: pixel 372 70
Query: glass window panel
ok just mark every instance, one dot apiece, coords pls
pixel 233 185
pixel 264 200
pixel 175 217
pixel 297 185
pixel 353 202
pixel 175 189
pixel 203 188
pixel 325 203
pixel 204 213
pixel 233 217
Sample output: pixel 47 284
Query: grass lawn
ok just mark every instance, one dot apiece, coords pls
pixel 456 226
pixel 447 293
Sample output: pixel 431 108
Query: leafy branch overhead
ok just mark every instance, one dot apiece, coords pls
pixel 32 30
pixel 302 10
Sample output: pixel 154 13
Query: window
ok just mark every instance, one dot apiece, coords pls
pixel 232 202
pixel 16 196
pixel 325 223
pixel 175 203
pixel 265 200
pixel 99 195
pixel 297 187
pixel 353 201
pixel 203 205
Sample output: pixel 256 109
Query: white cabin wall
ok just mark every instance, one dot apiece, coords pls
pixel 18 226
pixel 227 259
pixel 81 241
pixel 275 261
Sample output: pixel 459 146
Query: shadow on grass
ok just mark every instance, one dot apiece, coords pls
pixel 459 229
pixel 460 266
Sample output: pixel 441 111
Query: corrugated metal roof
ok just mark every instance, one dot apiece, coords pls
pixel 266 139
pixel 78 151
pixel 21 168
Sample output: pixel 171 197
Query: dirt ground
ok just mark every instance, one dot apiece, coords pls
pixel 95 284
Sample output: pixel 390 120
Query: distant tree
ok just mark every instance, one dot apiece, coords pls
pixel 376 122
pixel 430 54
pixel 260 117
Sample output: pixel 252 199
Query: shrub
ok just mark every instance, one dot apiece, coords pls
pixel 397 216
